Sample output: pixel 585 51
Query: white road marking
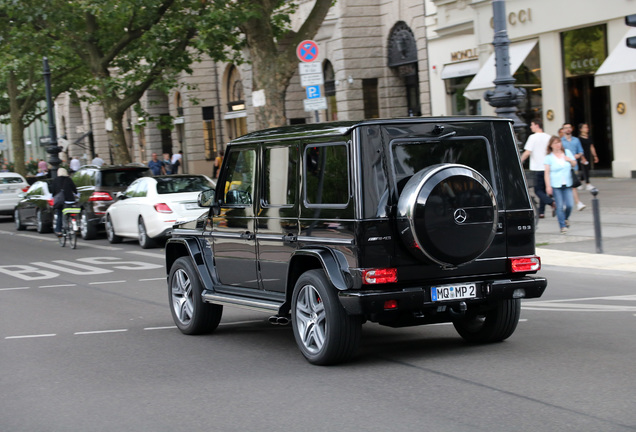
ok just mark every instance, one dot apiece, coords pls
pixel 579 305
pixel 106 282
pixel 13 289
pixel 149 254
pixel 100 332
pixel 160 328
pixel 57 286
pixel 31 336
pixel 152 279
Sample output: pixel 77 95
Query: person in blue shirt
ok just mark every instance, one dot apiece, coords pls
pixel 558 180
pixel 156 166
pixel 573 144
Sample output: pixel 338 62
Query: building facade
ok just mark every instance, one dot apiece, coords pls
pixel 572 61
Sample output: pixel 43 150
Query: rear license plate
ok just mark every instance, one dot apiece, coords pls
pixel 453 292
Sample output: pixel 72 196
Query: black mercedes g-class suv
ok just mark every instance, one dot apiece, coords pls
pixel 398 221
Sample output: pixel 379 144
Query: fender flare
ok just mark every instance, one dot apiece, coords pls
pixel 333 262
pixel 189 246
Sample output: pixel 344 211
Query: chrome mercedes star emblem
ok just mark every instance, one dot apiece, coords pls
pixel 460 216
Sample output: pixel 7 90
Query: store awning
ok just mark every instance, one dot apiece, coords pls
pixel 461 69
pixel 620 66
pixel 483 81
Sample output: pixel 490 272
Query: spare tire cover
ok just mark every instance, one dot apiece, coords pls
pixel 447 214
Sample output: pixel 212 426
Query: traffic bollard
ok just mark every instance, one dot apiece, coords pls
pixel 596 211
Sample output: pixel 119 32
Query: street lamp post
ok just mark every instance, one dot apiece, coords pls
pixel 505 97
pixel 52 149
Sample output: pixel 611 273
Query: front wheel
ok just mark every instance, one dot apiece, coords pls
pixel 72 235
pixel 189 312
pixel 110 231
pixel 491 326
pixel 16 219
pixel 323 330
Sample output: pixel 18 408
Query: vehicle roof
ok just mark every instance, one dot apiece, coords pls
pixel 11 174
pixel 104 167
pixel 345 127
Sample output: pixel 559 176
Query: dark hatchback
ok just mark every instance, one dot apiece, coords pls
pixel 35 208
pixel 97 186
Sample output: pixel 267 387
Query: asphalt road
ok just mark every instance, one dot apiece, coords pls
pixel 94 348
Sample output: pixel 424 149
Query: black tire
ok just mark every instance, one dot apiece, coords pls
pixel 87 229
pixel 62 238
pixel 191 315
pixel 324 332
pixel 144 241
pixel 492 326
pixel 110 232
pixel 41 226
pixel 16 219
pixel 72 236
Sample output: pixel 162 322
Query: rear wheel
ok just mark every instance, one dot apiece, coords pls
pixel 189 312
pixel 41 225
pixel 491 326
pixel 144 241
pixel 110 232
pixel 323 330
pixel 16 219
pixel 87 229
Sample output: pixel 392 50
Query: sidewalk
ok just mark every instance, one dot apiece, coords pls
pixel 577 248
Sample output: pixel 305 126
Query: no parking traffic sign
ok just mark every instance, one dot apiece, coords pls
pixel 307 51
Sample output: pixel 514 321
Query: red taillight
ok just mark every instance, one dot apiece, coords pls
pixel 390 304
pixel 50 202
pixel 379 276
pixel 26 188
pixel 100 196
pixel 163 208
pixel 525 264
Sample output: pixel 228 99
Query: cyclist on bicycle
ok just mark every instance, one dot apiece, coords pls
pixel 65 183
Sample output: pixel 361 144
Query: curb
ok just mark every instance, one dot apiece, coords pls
pixel 586 260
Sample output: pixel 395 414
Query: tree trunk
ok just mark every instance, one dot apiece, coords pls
pixel 266 76
pixel 17 143
pixel 118 144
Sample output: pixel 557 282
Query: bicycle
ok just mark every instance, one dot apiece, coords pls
pixel 70 226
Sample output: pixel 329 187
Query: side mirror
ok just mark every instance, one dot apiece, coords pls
pixel 206 198
pixel 120 195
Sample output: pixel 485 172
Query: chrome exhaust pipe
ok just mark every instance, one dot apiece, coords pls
pixel 273 320
pixel 278 320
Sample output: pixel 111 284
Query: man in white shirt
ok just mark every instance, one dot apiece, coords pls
pixel 97 160
pixel 536 149
pixel 176 161
pixel 74 164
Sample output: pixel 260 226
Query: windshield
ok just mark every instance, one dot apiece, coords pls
pixel 169 185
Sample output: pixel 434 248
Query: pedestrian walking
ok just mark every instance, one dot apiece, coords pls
pixel 74 165
pixel 573 144
pixel 218 161
pixel 536 149
pixel 167 164
pixel 97 160
pixel 176 161
pixel 156 166
pixel 558 179
pixel 589 154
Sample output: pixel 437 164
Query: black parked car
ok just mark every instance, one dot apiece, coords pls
pixel 35 208
pixel 97 186
pixel 401 222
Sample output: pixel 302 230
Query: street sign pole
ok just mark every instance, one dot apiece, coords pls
pixel 311 77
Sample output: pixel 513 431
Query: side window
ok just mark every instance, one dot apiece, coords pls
pixel 326 175
pixel 36 189
pixel 142 189
pixel 280 176
pixel 131 191
pixel 239 181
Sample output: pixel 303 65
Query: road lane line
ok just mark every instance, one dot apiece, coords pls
pixel 160 328
pixel 13 289
pixel 106 282
pixel 57 286
pixel 148 254
pixel 30 336
pixel 100 332
pixel 152 279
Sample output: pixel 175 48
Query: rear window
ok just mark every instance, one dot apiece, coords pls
pixel 11 180
pixel 411 156
pixel 183 184
pixel 121 178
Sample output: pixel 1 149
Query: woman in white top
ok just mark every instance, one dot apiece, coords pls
pixel 558 179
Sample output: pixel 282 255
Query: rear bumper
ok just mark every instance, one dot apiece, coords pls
pixel 419 298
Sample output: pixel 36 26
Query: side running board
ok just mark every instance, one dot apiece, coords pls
pixel 242 302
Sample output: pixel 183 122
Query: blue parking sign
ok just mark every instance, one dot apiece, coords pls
pixel 313 92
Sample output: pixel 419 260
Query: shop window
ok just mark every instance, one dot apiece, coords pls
pixel 209 133
pixel 370 97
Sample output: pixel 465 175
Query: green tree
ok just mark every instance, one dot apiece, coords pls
pixel 128 47
pixel 21 53
pixel 263 28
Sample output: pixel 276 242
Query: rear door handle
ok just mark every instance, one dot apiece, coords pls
pixel 247 235
pixel 289 238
